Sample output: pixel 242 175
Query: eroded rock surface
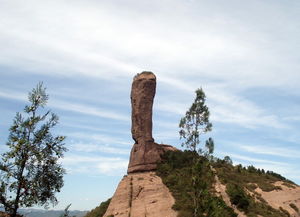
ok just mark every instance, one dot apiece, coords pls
pixel 141 194
pixel 145 153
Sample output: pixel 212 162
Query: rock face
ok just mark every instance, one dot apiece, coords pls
pixel 141 194
pixel 145 153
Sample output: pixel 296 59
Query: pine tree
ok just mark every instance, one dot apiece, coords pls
pixel 30 173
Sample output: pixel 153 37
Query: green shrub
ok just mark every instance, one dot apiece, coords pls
pixel 238 197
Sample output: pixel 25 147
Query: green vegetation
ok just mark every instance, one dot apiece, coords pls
pixel 241 182
pixel 187 182
pixel 249 177
pixel 99 211
pixel 30 173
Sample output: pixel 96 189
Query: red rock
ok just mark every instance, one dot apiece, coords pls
pixel 145 153
pixel 142 95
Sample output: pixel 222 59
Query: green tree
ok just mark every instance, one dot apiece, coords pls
pixel 30 173
pixel 210 146
pixel 195 122
pixel 228 160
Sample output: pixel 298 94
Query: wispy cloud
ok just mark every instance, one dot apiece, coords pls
pixel 68 106
pixel 88 110
pixel 226 107
pixel 253 160
pixel 287 152
pixel 100 138
pixel 10 94
pixel 93 148
pixel 94 165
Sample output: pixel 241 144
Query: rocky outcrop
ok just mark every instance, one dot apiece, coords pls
pixel 141 194
pixel 145 153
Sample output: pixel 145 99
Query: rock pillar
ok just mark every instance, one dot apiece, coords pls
pixel 145 153
pixel 142 95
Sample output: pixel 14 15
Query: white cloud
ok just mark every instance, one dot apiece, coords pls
pixel 10 94
pixel 226 107
pixel 254 161
pixel 93 165
pixel 68 106
pixel 99 138
pixel 104 41
pixel 287 152
pixel 98 38
pixel 82 147
pixel 87 110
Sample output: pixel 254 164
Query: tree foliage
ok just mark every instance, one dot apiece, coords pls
pixel 195 122
pixel 30 173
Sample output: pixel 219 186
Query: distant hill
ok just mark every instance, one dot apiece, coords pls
pixel 49 213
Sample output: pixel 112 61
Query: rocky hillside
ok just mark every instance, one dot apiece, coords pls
pixel 165 182
pixel 226 190
pixel 221 189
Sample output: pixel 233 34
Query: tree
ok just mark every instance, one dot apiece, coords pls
pixel 30 173
pixel 210 146
pixel 195 122
pixel 227 160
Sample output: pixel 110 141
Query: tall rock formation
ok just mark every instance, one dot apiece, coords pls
pixel 142 192
pixel 142 95
pixel 145 153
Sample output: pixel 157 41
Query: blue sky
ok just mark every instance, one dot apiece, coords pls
pixel 245 55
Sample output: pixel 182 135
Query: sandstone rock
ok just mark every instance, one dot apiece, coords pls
pixel 144 157
pixel 145 153
pixel 141 194
pixel 142 95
